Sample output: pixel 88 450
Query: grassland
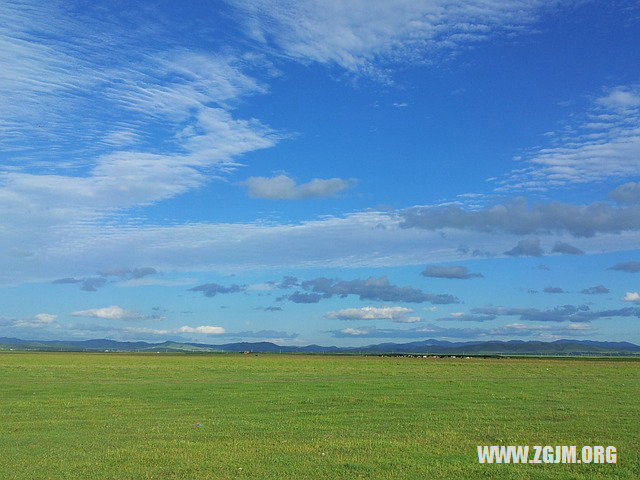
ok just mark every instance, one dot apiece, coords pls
pixel 133 416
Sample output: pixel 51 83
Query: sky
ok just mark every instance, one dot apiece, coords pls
pixel 328 172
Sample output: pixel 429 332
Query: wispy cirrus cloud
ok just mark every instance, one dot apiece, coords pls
pixel 603 144
pixel 360 36
pixel 104 115
pixel 62 65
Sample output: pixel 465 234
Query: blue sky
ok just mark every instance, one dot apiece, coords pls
pixel 326 172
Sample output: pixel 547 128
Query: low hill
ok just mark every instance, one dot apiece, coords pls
pixel 430 346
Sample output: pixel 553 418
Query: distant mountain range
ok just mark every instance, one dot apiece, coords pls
pixel 432 347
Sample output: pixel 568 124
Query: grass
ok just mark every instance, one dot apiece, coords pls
pixel 133 416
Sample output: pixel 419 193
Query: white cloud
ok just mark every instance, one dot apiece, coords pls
pixel 360 33
pixel 620 98
pixel 548 332
pixel 122 138
pixel 168 118
pixel 45 317
pixel 632 297
pixel 161 282
pixel 39 320
pixel 149 331
pixel 109 313
pixel 604 144
pixel 355 331
pixel 282 187
pixel 366 313
pixel 204 329
pixel 365 239
pixel 411 319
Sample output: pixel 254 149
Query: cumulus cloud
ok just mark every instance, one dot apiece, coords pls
pixel 351 332
pixel 213 289
pixel 45 317
pixel 442 271
pixel 526 247
pixel 630 267
pixel 553 290
pixel 566 249
pixel 626 193
pixel 113 312
pixel 632 297
pixel 598 289
pixel 282 187
pixel 517 217
pixel 372 313
pixel 300 297
pixel 372 288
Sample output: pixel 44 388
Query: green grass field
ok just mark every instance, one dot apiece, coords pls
pixel 132 416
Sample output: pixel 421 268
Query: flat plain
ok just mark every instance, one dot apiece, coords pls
pixel 223 416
